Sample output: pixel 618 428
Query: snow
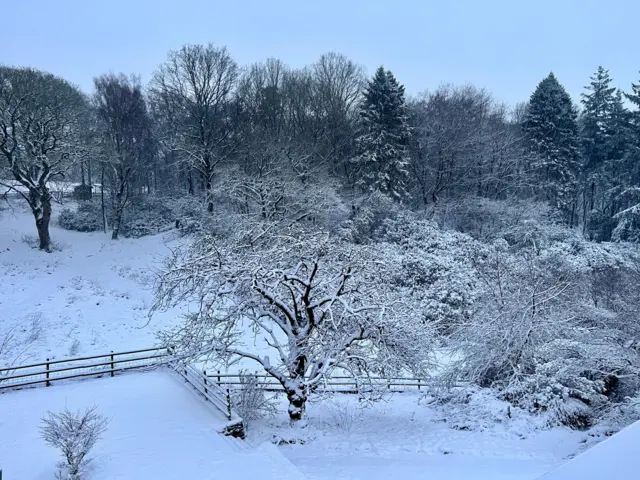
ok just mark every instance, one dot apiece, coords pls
pixel 158 428
pixel 91 296
pixel 403 438
pixel 616 457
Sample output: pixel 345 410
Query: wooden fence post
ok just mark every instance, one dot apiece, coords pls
pixel 228 404
pixel 205 384
pixel 218 377
pixel 48 384
pixel 112 373
pixel 418 384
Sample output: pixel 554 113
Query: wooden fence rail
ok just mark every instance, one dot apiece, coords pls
pixel 51 371
pixel 340 384
pixel 219 398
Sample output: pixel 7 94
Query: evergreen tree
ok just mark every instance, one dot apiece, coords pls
pixel 628 200
pixel 631 169
pixel 382 145
pixel 551 136
pixel 603 136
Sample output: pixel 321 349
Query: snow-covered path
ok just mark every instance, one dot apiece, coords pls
pixel 158 428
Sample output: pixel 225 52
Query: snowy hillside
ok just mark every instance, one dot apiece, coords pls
pixel 91 295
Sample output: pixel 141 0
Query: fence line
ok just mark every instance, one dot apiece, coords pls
pixel 219 398
pixel 51 371
pixel 338 384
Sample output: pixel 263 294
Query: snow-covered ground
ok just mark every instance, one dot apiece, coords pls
pixel 92 295
pixel 158 428
pixel 402 438
pixel 615 458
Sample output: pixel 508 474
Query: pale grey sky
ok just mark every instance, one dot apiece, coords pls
pixel 506 46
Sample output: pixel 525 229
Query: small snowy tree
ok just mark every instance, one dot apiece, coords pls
pixel 324 311
pixel 251 401
pixel 74 434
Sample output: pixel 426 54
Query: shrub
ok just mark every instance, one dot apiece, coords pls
pixel 74 434
pixel 86 218
pixel 250 401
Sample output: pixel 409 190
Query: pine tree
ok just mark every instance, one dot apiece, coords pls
pixel 604 136
pixel 382 145
pixel 628 200
pixel 551 135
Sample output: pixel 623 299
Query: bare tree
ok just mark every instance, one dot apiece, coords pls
pixel 194 88
pixel 74 434
pixel 126 128
pixel 41 117
pixel 318 316
pixel 337 86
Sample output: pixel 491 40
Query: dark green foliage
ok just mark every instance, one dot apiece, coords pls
pixel 604 138
pixel 382 145
pixel 87 217
pixel 551 134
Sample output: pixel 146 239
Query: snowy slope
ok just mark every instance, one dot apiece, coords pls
pixel 617 457
pixel 90 297
pixel 157 429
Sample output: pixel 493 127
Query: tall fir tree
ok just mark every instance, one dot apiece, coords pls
pixel 551 136
pixel 382 145
pixel 628 200
pixel 604 135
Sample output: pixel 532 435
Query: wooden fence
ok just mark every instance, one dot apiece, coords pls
pixel 337 384
pixel 53 371
pixel 219 398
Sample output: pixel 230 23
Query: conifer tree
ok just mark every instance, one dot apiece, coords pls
pixel 551 134
pixel 603 137
pixel 382 145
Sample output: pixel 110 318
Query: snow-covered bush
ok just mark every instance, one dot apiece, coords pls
pixel 86 218
pixel 552 330
pixel 148 215
pixel 487 220
pixel 367 217
pixel 251 401
pixel 74 434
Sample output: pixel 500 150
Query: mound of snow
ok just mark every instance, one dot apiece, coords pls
pixel 617 457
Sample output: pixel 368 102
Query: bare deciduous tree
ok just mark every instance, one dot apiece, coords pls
pixel 321 315
pixel 194 88
pixel 41 119
pixel 126 127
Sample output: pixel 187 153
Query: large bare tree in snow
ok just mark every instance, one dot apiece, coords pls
pixel 41 117
pixel 125 125
pixel 317 313
pixel 194 88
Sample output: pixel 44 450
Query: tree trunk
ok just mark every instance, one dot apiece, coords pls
pixel 104 211
pixel 209 193
pixel 296 391
pixel 297 397
pixel 42 223
pixel 117 220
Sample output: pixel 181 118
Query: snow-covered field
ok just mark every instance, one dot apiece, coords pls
pixel 92 295
pixel 158 428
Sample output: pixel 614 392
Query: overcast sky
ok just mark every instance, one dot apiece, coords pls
pixel 506 46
